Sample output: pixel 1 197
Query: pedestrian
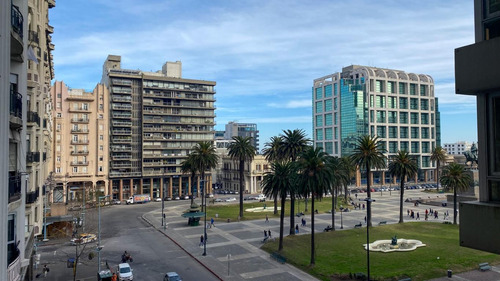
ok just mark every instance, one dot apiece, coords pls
pixel 269 233
pixel 212 222
pixel 114 277
pixel 202 241
pixel 267 218
pixel 408 212
pixel 303 222
pixel 297 229
pixel 365 219
pixel 363 206
pixel 45 270
pixel 356 195
pixel 426 216
pixel 418 216
pixel 265 233
pixel 426 212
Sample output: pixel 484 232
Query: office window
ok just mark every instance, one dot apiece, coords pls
pixel 328 119
pixel 414 118
pixel 328 105
pixel 403 146
pixel 319 134
pixel 380 116
pixel 392 117
pixel 425 133
pixel 403 117
pixel 372 116
pixel 413 89
pixel 393 132
pixel 336 148
pixel 424 104
pixel 319 120
pixel 424 118
pixel 393 146
pixel 319 107
pixel 415 133
pixel 392 102
pixel 328 134
pixel 335 89
pixel 402 88
pixel 391 88
pixel 319 93
pixel 329 147
pixel 371 101
pixel 415 147
pixel 425 147
pixel 432 118
pixel 379 86
pixel 381 131
pixel 414 104
pixel 328 91
pixel 380 101
pixel 335 103
pixel 403 103
pixel 423 90
pixel 426 160
pixel 403 132
pixel 335 118
pixel 336 129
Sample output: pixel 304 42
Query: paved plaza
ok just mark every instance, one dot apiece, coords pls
pixel 242 240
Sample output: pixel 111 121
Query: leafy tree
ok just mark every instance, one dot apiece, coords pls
pixel 454 176
pixel 272 153
pixel 241 150
pixel 368 153
pixel 294 143
pixel 277 184
pixel 402 165
pixel 438 155
pixel 340 177
pixel 204 158
pixel 315 178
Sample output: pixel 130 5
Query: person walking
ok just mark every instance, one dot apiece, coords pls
pixel 267 218
pixel 212 222
pixel 45 270
pixel 297 229
pixel 269 233
pixel 418 216
pixel 202 241
pixel 114 277
pixel 265 234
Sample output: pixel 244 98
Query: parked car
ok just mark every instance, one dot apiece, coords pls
pixel 209 195
pixel 219 200
pixel 177 198
pixel 232 199
pixel 84 238
pixel 116 202
pixel 125 272
pixel 172 276
pixel 157 199
pixel 168 198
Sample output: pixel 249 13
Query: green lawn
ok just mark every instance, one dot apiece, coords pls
pixel 340 253
pixel 231 211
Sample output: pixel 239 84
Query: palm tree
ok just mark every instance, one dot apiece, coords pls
pixel 204 158
pixel 241 150
pixel 276 184
pixel 368 153
pixel 294 143
pixel 454 176
pixel 438 155
pixel 350 168
pixel 340 177
pixel 272 152
pixel 188 166
pixel 315 178
pixel 402 166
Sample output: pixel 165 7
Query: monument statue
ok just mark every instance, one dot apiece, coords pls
pixel 394 241
pixel 471 155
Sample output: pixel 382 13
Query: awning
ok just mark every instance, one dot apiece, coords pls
pixel 193 215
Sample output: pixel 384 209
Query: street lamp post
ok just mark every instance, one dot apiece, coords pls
pixel 368 203
pixel 99 234
pixel 204 199
pixel 341 221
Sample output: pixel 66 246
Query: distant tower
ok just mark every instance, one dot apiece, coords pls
pixel 234 129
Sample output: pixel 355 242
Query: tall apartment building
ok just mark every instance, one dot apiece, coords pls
pixel 155 120
pixel 476 73
pixel 398 107
pixel 457 148
pixel 234 129
pixel 81 145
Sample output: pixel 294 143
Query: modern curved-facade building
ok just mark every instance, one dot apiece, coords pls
pixel 398 107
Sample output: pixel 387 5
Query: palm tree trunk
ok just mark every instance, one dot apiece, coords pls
pixel 345 193
pixel 313 260
pixel 242 167
pixel 455 205
pixel 401 195
pixel 276 205
pixel 369 196
pixel 282 219
pixel 333 210
pixel 292 215
pixel 437 176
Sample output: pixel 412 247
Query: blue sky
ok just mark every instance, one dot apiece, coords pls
pixel 264 54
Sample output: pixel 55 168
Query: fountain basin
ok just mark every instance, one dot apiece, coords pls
pixel 403 245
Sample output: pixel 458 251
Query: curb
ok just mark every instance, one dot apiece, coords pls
pixel 182 248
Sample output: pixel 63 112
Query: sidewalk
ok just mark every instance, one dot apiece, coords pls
pixel 240 240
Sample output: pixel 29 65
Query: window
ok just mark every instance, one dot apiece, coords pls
pixel 59 95
pixel 414 147
pixel 58 137
pixel 402 88
pixel 415 132
pixel 393 117
pixel 328 105
pixel 423 90
pixel 335 89
pixel 336 133
pixel 101 169
pixel 392 102
pixel 319 134
pixel 381 131
pixel 371 101
pixel 58 148
pixel 328 91
pixel 101 116
pixel 58 159
pixel 380 116
pixel 12 250
pixel 380 102
pixel 58 170
pixel 335 118
pixel 425 133
pixel 379 86
pixel 59 115
pixel 414 118
pixel 424 118
pixel 432 118
pixel 101 158
pixel 75 169
pixel 391 88
pixel 319 107
pixel 75 138
pixel 328 119
pixel 335 103
pixel 403 132
pixel 58 105
pixel 319 121
pixel 425 147
pixel 101 127
pixel 393 132
pixel 413 89
pixel 403 103
pixel 414 104
pixel 403 117
pixel 101 147
pixel 329 147
pixel 328 134
pixel 58 127
pixel 426 161
pixel 403 146
pixel 101 137
pixel 393 146
pixel 319 93
pixel 424 104
pixel 85 106
pixel 101 106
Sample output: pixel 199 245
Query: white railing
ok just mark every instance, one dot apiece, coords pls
pixel 14 270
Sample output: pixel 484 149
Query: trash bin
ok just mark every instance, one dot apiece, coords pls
pixel 449 273
pixel 70 263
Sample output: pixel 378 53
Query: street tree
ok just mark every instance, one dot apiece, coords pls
pixel 272 153
pixel 241 150
pixel 404 166
pixel 204 158
pixel 455 177
pixel 340 176
pixel 438 155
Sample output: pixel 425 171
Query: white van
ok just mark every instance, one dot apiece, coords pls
pixel 125 272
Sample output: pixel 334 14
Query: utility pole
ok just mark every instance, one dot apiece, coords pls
pixel 99 234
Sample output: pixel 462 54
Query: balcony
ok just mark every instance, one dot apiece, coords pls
pixel 52 3
pixel 121 157
pixel 33 37
pixel 79 141
pixel 121 132
pixel 33 117
pixel 52 47
pixel 122 115
pixel 79 131
pixel 80 120
pixel 32 157
pixel 79 152
pixel 17 45
pixel 81 96
pixel 121 165
pixel 121 99
pixel 117 123
pixel 16 109
pixel 14 188
pixel 121 140
pixel 117 106
pixel 50 28
pixel 121 149
pixel 79 163
pixel 32 196
pixel 79 109
pixel 14 268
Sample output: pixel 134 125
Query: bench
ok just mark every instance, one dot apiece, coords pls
pixel 359 225
pixel 278 257
pixel 484 266
pixel 328 228
pixel 382 222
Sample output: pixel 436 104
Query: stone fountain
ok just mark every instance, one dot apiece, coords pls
pixel 394 245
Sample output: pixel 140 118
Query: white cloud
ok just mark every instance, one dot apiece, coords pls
pixel 303 103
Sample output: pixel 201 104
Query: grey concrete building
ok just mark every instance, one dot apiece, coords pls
pixel 234 129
